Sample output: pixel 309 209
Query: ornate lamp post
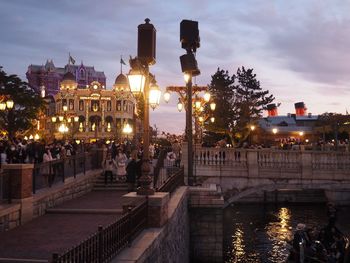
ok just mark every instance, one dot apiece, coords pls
pixel 6 106
pixel 141 83
pixel 66 118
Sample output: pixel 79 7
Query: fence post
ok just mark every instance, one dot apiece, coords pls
pixel 54 257
pixel 9 197
pixel 63 165
pixel 74 166
pixel 130 225
pixel 84 162
pixel 100 244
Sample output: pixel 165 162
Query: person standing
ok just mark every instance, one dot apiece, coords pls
pixel 133 171
pixel 45 170
pixel 108 168
pixel 120 163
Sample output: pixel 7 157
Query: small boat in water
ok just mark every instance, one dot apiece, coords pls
pixel 328 245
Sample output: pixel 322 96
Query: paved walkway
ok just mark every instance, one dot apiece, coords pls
pixel 57 232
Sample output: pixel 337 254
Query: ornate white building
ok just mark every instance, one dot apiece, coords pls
pixel 92 112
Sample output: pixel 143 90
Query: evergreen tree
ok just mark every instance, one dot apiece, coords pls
pixel 27 104
pixel 240 102
pixel 222 90
pixel 250 102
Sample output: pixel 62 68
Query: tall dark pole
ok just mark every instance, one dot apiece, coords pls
pixel 191 179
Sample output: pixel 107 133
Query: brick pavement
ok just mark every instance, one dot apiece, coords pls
pixel 51 233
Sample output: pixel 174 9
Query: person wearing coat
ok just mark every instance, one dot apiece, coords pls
pixel 108 167
pixel 133 171
pixel 45 170
pixel 120 163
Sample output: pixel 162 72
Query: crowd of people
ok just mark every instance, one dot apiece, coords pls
pixel 22 151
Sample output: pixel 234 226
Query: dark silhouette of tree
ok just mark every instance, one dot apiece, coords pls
pixel 27 104
pixel 222 91
pixel 250 101
pixel 335 123
pixel 240 102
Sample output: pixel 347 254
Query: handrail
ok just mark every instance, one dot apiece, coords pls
pixel 108 241
pixel 174 181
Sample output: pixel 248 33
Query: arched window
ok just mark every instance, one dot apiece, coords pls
pixel 82 73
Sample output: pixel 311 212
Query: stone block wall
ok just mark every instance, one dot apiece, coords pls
pixel 71 189
pixel 10 217
pixel 206 224
pixel 169 243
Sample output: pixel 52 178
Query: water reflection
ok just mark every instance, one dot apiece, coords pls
pixel 279 233
pixel 257 233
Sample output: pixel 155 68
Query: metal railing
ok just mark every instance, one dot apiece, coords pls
pixel 108 241
pixel 173 181
pixel 49 173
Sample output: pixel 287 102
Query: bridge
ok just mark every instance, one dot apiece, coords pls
pixel 245 172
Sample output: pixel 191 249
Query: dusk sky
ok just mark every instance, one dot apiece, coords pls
pixel 300 50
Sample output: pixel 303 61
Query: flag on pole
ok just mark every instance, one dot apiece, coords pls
pixel 122 61
pixel 71 59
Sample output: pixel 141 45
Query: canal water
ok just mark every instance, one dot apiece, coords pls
pixel 256 233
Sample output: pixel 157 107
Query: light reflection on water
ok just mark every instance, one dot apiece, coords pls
pixel 254 233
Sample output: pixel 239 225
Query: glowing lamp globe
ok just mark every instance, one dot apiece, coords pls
pixel 154 96
pixel 136 81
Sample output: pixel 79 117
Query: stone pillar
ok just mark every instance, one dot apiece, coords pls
pixel 252 163
pixel 19 179
pixel 306 165
pixel 157 206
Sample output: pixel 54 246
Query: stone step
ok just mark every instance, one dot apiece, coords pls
pixel 22 260
pixel 109 189
pixel 82 211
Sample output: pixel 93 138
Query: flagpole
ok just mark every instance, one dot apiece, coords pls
pixel 121 64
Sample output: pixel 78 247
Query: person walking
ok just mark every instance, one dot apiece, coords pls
pixel 133 171
pixel 120 163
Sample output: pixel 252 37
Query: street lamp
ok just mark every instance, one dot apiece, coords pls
pixel 140 81
pixel 166 96
pixel 154 95
pixel 180 105
pixel 9 104
pixel 274 130
pixel 127 129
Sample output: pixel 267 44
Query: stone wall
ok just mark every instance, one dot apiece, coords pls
pixel 72 188
pixel 169 243
pixel 10 217
pixel 24 210
pixel 206 224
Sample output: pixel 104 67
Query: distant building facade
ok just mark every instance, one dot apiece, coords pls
pixel 48 77
pixel 92 112
pixel 298 126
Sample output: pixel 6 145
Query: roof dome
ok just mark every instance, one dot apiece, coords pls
pixel 68 76
pixel 121 80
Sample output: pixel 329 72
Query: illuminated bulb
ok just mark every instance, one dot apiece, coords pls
pixel 207 97
pixel 166 96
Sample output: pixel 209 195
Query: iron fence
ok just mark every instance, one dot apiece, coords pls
pixel 107 242
pixel 173 181
pixel 49 173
